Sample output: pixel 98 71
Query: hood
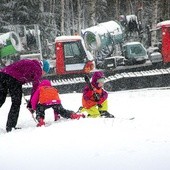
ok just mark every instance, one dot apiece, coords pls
pixel 97 75
pixel 36 62
pixel 46 66
pixel 45 83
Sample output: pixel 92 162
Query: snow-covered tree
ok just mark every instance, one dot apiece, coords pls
pixel 69 17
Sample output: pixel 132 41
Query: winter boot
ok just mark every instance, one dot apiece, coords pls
pixel 106 114
pixel 56 116
pixel 76 116
pixel 40 122
pixel 8 129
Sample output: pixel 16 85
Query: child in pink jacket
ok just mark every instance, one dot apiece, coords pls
pixel 46 97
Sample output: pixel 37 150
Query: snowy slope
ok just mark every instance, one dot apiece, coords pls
pixel 88 144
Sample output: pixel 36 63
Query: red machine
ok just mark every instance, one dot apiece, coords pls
pixel 164 27
pixel 71 56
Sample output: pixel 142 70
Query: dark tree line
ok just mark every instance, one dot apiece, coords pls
pixel 56 17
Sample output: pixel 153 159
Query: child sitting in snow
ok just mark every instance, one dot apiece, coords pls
pixel 94 98
pixel 46 97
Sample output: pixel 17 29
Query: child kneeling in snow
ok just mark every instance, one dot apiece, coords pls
pixel 94 98
pixel 46 97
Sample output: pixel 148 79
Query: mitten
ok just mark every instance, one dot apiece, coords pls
pixel 96 97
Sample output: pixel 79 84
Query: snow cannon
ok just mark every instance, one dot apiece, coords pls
pixel 102 35
pixel 10 44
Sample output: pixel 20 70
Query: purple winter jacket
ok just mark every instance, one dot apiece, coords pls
pixel 25 71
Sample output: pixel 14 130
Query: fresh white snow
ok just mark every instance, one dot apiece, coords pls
pixel 88 144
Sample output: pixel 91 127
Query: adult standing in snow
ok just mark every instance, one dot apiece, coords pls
pixel 12 78
pixel 94 98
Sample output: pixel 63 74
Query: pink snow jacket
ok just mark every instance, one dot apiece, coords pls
pixel 25 71
pixel 35 97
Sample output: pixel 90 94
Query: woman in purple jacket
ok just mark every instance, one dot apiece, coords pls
pixel 12 78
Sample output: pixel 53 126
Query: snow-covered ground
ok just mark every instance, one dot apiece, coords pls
pixel 87 144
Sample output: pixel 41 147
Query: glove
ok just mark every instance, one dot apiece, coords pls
pixel 31 110
pixel 29 107
pixel 99 105
pixel 96 97
pixel 29 104
pixel 101 100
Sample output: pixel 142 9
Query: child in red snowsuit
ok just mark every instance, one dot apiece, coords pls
pixel 46 97
pixel 94 101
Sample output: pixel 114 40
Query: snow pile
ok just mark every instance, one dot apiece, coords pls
pixel 88 144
